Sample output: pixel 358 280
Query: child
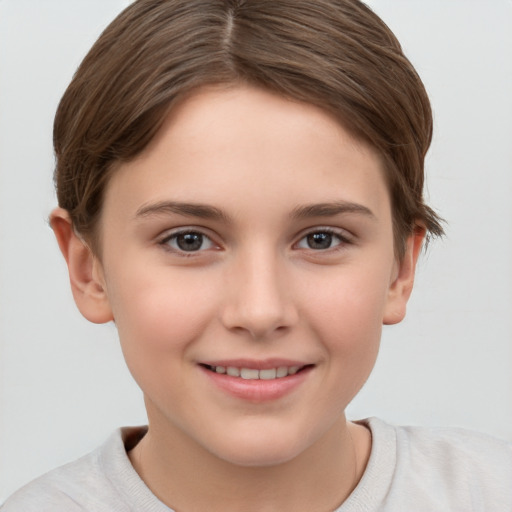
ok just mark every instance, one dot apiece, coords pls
pixel 240 191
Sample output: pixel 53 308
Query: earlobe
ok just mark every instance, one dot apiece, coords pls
pixel 85 270
pixel 401 287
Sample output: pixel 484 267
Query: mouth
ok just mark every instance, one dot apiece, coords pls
pixel 257 381
pixel 245 373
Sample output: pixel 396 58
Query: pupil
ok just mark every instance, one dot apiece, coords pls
pixel 319 240
pixel 190 241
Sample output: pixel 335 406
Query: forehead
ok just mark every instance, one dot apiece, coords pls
pixel 238 113
pixel 222 143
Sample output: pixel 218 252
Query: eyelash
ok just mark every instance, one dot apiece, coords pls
pixel 166 242
pixel 341 235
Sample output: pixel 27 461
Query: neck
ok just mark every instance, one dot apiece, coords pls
pixel 186 477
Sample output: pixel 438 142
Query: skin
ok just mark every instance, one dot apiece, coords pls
pixel 256 288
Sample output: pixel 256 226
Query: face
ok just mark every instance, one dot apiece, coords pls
pixel 247 259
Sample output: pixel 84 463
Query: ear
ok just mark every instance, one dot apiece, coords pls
pixel 85 270
pixel 403 279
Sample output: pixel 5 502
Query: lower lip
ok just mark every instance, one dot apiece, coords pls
pixel 257 390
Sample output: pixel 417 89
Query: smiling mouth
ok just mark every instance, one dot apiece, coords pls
pixel 255 374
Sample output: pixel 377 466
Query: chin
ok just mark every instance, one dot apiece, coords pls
pixel 260 450
pixel 254 458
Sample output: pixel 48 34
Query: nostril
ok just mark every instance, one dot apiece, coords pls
pixel 258 302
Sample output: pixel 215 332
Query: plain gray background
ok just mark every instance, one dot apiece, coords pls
pixel 63 383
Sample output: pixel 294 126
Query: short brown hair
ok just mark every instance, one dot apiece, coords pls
pixel 336 54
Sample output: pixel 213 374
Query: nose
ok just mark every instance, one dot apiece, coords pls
pixel 259 300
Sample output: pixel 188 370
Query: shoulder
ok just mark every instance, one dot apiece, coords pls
pixel 454 451
pixel 84 484
pixel 57 490
pixel 453 468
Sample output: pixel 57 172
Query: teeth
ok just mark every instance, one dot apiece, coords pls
pixel 268 374
pixel 248 374
pixel 282 371
pixel 253 374
pixel 234 372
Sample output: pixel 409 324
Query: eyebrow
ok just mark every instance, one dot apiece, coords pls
pixel 330 210
pixel 202 211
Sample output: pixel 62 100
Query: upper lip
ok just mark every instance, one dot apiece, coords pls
pixel 256 364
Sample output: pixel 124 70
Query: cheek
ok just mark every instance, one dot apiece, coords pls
pixel 351 298
pixel 162 312
pixel 347 312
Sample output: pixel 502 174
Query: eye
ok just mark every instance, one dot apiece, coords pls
pixel 188 241
pixel 321 240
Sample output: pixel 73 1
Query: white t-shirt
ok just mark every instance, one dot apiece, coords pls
pixel 411 469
